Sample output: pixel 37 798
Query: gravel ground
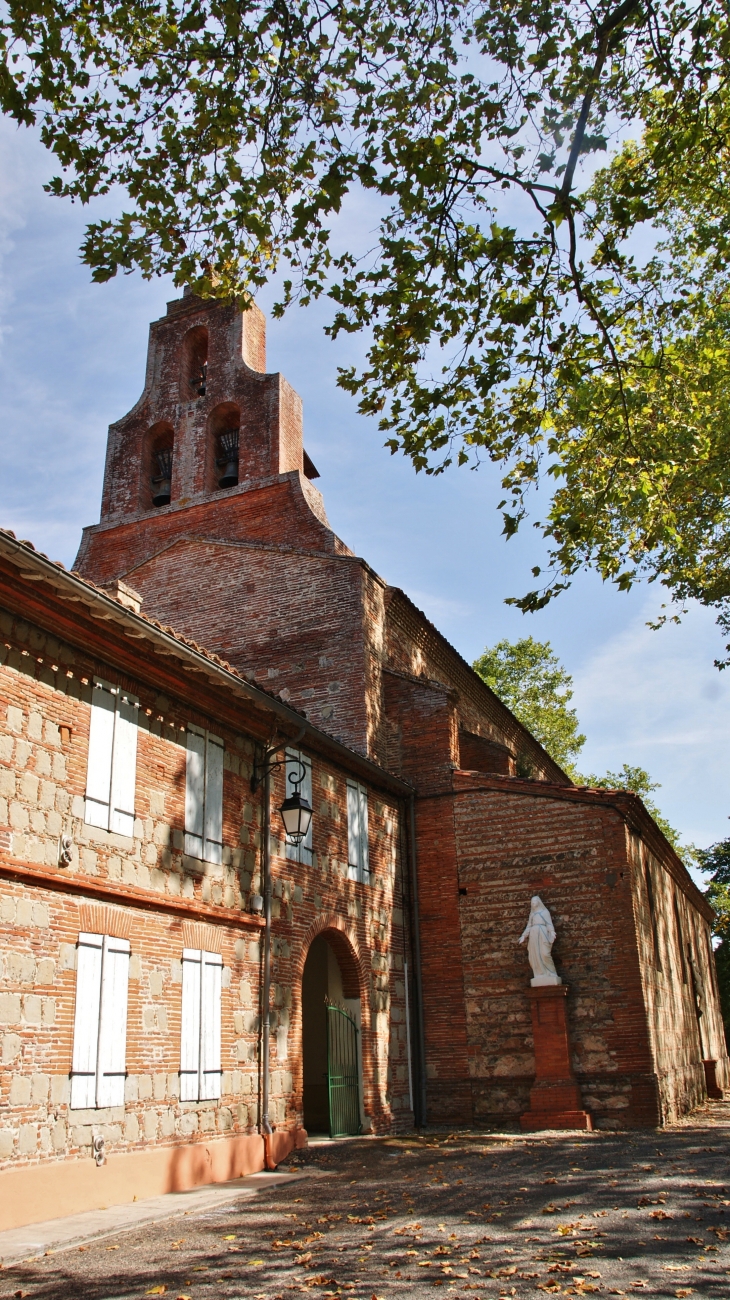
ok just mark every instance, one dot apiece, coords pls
pixel 476 1214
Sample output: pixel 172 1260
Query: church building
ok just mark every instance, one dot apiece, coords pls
pixel 186 989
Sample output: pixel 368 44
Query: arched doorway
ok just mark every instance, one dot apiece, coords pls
pixel 331 1051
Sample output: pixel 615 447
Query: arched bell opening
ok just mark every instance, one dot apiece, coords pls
pixel 222 469
pixel 331 1046
pixel 194 369
pixel 157 466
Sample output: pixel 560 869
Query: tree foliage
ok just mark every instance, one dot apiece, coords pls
pixel 638 781
pixel 716 862
pixel 530 679
pixel 508 312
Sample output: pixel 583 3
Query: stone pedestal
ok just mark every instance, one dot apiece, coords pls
pixel 555 1100
pixel 714 1091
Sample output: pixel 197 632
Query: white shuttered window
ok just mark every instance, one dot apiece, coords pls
pixel 204 795
pixel 200 1040
pixel 98 1067
pixel 357 833
pixel 110 777
pixel 301 780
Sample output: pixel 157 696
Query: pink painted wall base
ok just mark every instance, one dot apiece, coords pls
pixel 37 1193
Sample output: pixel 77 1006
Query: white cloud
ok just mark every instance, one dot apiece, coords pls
pixel 654 699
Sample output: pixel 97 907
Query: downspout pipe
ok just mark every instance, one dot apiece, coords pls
pixel 265 1126
pixel 262 776
pixel 421 1111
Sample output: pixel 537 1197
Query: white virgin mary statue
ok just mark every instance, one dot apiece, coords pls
pixel 540 935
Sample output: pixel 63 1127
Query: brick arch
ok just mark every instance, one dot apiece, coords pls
pixel 346 949
pixel 355 984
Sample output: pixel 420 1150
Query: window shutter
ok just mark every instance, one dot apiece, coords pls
pixel 86 1021
pixel 213 847
pixel 292 769
pixel 364 850
pixel 101 745
pixel 112 1050
pixel 353 831
pixel 210 1037
pixel 306 789
pixel 124 766
pixel 195 792
pixel 190 1026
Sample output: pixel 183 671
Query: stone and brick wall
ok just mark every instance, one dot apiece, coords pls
pixel 39 929
pixel 679 983
pixel 163 900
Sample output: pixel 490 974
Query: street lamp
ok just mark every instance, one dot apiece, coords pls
pixel 295 812
pixel 296 815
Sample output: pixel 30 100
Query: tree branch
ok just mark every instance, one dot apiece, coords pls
pixel 607 27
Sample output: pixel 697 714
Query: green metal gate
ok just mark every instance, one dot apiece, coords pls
pixel 343 1075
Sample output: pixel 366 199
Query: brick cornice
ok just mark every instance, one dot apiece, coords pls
pixel 37 589
pixel 15 869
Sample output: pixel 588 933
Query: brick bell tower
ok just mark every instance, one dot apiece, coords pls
pixel 209 512
pixel 209 426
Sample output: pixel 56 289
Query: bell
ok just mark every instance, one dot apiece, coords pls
pixel 229 459
pixel 199 380
pixel 161 483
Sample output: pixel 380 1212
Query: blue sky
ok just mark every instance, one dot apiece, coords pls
pixel 72 360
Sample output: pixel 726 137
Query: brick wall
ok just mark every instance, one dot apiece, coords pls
pixel 424 752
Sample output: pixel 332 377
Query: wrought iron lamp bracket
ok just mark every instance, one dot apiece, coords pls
pixel 270 762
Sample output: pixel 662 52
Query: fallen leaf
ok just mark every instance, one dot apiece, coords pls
pixel 156 1290
pixel 183 1297
pixel 684 1291
pixel 231 1237
pixel 659 1214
